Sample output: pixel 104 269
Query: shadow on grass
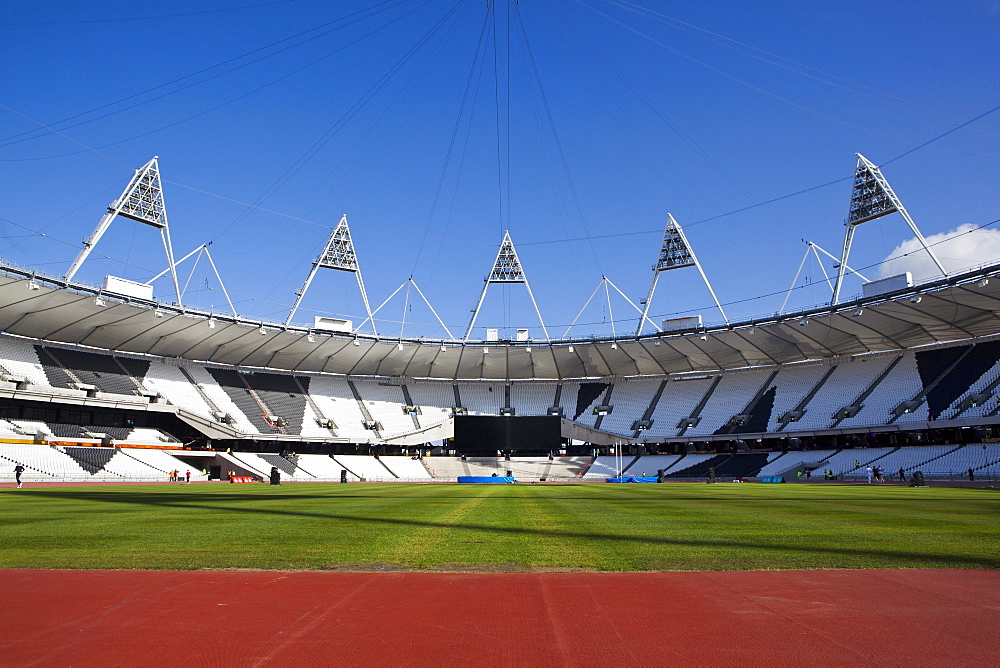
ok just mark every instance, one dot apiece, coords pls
pixel 202 501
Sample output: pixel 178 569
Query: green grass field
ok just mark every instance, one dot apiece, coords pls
pixel 499 527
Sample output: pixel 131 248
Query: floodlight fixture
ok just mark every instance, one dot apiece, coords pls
pixel 32 285
pixel 211 323
pixel 399 346
pixel 99 301
pixel 356 342
pixel 614 346
pixel 571 349
pixel 310 338
pixel 983 282
pixel 858 312
pixel 916 299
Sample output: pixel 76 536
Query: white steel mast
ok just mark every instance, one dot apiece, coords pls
pixel 141 201
pixel 871 198
pixel 675 253
pixel 338 254
pixel 506 269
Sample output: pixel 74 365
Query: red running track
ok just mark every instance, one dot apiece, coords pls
pixel 227 618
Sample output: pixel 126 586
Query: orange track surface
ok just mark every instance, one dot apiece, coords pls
pixel 222 618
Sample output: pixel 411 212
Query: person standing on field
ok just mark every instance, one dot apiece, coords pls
pixel 18 470
pixel 188 476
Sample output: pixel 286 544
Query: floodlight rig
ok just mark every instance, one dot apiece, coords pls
pixel 141 201
pixel 872 197
pixel 339 254
pixel 675 253
pixel 506 269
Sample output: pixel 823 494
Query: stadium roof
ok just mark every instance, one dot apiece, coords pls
pixel 961 307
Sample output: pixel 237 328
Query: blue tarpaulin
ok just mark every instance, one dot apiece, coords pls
pixel 632 478
pixel 484 478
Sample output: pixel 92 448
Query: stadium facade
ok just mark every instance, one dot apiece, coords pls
pixel 86 366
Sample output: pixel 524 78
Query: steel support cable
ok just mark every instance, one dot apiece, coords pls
pixel 732 77
pixel 496 107
pixel 451 142
pixel 127 19
pixel 687 139
pixel 692 185
pixel 555 134
pixel 547 151
pixel 673 126
pixel 782 197
pixel 767 57
pixel 508 116
pixel 553 171
pixel 461 161
pixel 6 140
pixel 252 91
pixel 354 155
pixel 388 112
pixel 807 284
pixel 323 139
pixel 247 298
pixel 823 281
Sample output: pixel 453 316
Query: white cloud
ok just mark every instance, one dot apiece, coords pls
pixel 961 248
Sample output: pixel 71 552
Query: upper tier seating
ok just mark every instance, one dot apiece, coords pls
pixel 385 403
pixel 730 397
pixel 532 398
pixel 946 375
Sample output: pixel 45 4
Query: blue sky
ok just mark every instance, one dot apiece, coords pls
pixel 599 118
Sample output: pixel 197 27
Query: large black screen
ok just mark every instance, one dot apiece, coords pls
pixel 487 434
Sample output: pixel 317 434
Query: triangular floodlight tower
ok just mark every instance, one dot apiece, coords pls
pixel 816 249
pixel 200 251
pixel 506 269
pixel 675 253
pixel 141 201
pixel 872 198
pixel 339 254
